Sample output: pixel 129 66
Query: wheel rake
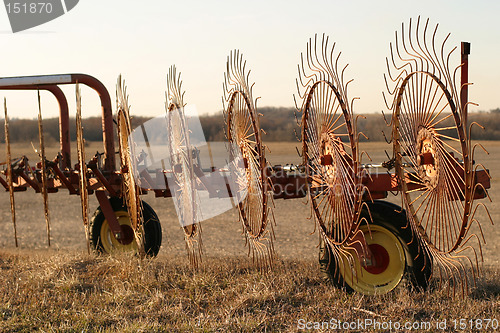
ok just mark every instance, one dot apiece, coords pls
pixel 181 157
pixel 331 159
pixel 82 167
pixel 434 156
pixel 9 173
pixel 254 194
pixel 118 223
pixel 366 244
pixel 130 185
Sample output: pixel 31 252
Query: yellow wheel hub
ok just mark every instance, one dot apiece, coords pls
pixel 387 269
pixel 108 240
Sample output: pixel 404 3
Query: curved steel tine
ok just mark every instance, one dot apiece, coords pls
pixel 43 170
pixel 84 200
pixel 449 78
pixel 485 209
pixel 480 146
pixel 406 61
pixel 441 69
pixel 10 175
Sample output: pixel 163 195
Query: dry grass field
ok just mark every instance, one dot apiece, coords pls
pixel 65 289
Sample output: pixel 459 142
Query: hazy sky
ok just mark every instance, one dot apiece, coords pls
pixel 141 39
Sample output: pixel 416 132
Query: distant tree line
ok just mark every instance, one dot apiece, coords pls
pixel 279 124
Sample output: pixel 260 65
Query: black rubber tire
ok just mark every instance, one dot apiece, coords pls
pixel 152 227
pixel 418 268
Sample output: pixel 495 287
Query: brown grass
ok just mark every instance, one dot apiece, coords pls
pixel 56 291
pixel 64 289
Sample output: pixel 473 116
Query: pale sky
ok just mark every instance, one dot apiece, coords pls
pixel 142 39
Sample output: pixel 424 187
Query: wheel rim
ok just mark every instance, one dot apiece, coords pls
pixel 109 242
pixel 330 153
pixel 182 165
pixel 82 174
pixel 390 262
pixel 130 188
pixel 243 134
pixel 429 139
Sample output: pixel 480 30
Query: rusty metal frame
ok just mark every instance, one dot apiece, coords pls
pixel 51 83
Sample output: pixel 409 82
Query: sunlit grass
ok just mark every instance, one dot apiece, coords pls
pixel 52 290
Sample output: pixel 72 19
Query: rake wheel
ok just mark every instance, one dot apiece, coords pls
pixel 130 188
pixel 243 133
pixel 9 172
pixel 432 150
pixel 357 250
pixel 181 160
pixel 330 152
pixel 82 174
pixel 433 181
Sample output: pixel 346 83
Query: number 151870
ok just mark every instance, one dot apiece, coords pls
pixel 29 8
pixel 475 324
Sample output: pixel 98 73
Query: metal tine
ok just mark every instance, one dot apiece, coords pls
pixel 43 169
pixel 302 74
pixel 406 62
pixel 487 212
pixel 345 92
pixel 423 61
pixel 309 58
pixel 321 64
pixel 339 81
pixel 449 268
pixel 84 198
pixel 328 58
pixel 448 75
pixel 470 247
pixel 10 178
pixel 391 49
pixel 297 109
pixel 475 268
pixel 479 226
pixel 416 54
pixel 236 65
pixel 413 57
pixel 230 68
pixel 477 145
pixel 398 53
pixel 440 68
pixel 426 50
pixel 304 85
pixel 300 69
pixel 446 63
pixel 391 107
pixel 238 61
pixel 422 54
pixel 459 266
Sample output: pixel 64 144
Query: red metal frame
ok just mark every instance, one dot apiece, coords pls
pixel 64 137
pixel 51 83
pixel 464 80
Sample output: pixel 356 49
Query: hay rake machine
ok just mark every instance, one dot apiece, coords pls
pixel 367 244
